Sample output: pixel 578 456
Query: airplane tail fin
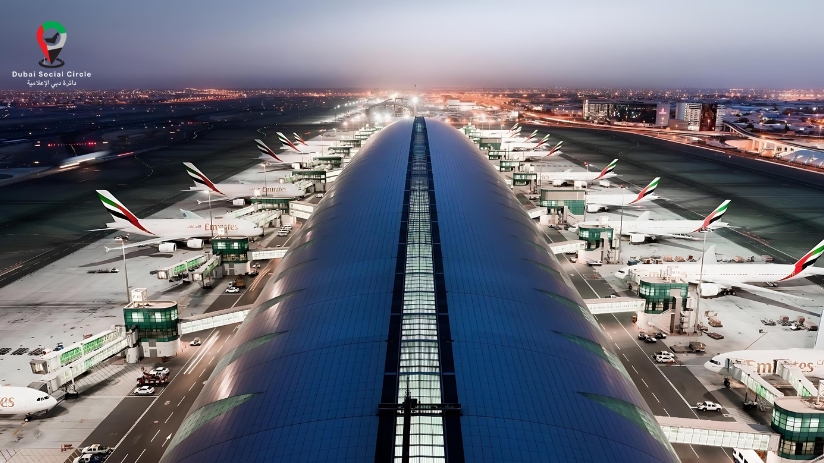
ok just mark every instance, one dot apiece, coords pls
pixel 555 149
pixel 541 142
pixel 119 212
pixel 608 169
pixel 807 261
pixel 715 215
pixel 190 214
pixel 531 136
pixel 299 140
pixel 709 255
pixel 642 217
pixel 648 190
pixel 266 150
pixel 200 178
pixel 282 138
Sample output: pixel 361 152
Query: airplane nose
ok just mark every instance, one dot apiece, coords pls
pixel 712 367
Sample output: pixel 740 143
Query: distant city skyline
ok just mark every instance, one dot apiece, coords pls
pixel 368 44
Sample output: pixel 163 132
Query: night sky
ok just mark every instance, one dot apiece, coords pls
pixel 367 44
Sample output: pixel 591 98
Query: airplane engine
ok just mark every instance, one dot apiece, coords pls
pixel 241 201
pixel 194 243
pixel 557 183
pixel 167 247
pixel 709 290
pixel 637 238
pixel 596 208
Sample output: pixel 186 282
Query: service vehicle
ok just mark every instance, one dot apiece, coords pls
pixel 664 353
pixel 159 371
pixel 96 449
pixel 708 406
pixel 232 289
pixel 650 339
pixel 144 390
pixel 664 359
pixel 195 342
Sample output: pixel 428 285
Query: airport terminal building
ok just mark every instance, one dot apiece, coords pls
pixel 419 316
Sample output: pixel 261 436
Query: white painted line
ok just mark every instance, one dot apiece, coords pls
pixel 693 451
pixel 201 373
pixel 625 356
pixel 152 440
pixel 124 458
pixel 152 404
pixel 141 454
pixel 645 383
pixel 633 369
pixel 618 347
pixel 656 398
pixel 190 387
pixel 202 353
pixel 213 357
pixel 167 419
pixel 665 411
pixel 656 367
pixel 181 400
pixel 610 336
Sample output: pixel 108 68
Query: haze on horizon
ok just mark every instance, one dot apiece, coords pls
pixel 367 44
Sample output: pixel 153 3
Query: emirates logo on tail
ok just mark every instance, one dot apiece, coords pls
pixel 199 178
pixel 119 211
pixel 608 169
pixel 647 191
pixel 714 215
pixel 285 141
pixel 807 261
pixel 299 140
pixel 265 150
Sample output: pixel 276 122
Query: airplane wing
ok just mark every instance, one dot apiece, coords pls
pixel 164 239
pixel 670 235
pixel 749 287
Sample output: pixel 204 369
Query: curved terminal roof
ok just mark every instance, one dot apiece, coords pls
pixel 304 377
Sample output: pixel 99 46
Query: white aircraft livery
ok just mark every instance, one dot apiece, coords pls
pixel 231 191
pixel 24 401
pixel 191 230
pixel 570 176
pixel 808 360
pixel 642 228
pixel 716 277
pixel 597 202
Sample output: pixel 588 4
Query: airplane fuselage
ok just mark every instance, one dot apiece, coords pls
pixel 191 228
pixel 616 200
pixel 24 401
pixel 657 227
pixel 240 190
pixel 810 361
pixel 740 273
pixel 575 176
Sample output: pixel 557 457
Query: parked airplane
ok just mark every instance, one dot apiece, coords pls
pixel 554 150
pixel 597 202
pixel 232 191
pixel 718 277
pixel 287 144
pixel 24 401
pixel 531 136
pixel 299 139
pixel 810 361
pixel 558 178
pixel 269 155
pixel 191 230
pixel 642 228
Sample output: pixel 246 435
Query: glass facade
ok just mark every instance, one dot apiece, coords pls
pixel 802 434
pixel 153 323
pixel 592 235
pixel 508 340
pixel 231 249
pixel 638 112
pixel 278 204
pixel 312 175
pixel 657 295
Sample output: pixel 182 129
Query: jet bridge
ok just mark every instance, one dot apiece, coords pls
pixel 719 433
pixel 59 368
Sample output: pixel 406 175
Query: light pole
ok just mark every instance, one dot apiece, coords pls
pixel 700 278
pixel 265 186
pixel 125 268
pixel 620 229
pixel 211 223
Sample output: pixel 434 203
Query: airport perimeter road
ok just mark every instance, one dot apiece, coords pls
pixel 148 436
